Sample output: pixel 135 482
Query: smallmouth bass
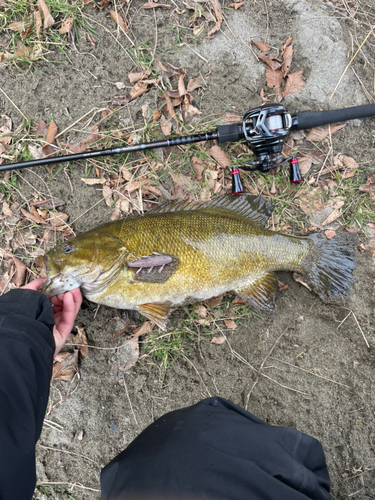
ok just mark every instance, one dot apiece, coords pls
pixel 182 253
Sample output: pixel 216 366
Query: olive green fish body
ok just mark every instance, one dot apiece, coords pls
pixel 182 254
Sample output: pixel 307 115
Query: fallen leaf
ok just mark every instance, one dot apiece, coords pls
pixel 294 83
pixel 136 77
pixel 65 365
pixel 369 188
pixel 32 218
pixel 38 22
pixel 282 286
pixel 198 167
pixel 274 80
pixel 57 219
pixel 66 26
pixel 21 271
pixel 262 96
pixel 214 301
pixel 80 339
pixel 287 60
pixel 201 311
pixel 144 329
pixel 50 147
pixel 231 117
pixel 93 182
pixel 236 5
pixel 153 5
pixel 120 20
pixel 263 47
pixel 156 115
pixel 107 195
pixel 195 83
pixel 318 134
pixel 48 19
pixel 229 323
pixel 299 279
pixel 220 156
pixel 49 204
pixel 219 17
pixel 170 108
pixel 165 125
pixel 330 233
pixel 304 164
pixel 133 344
pixel 218 340
pixel 41 128
pixel 17 26
pixel 272 63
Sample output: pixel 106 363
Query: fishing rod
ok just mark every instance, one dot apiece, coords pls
pixel 264 129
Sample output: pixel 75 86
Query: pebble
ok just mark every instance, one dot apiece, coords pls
pixel 300 319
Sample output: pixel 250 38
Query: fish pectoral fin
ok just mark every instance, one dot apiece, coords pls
pixel 158 312
pixel 262 292
pixel 157 268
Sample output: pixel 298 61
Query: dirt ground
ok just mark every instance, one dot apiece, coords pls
pixel 320 372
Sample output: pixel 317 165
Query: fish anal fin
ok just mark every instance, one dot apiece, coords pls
pixel 158 312
pixel 261 293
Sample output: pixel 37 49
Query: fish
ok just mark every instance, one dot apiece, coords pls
pixel 185 252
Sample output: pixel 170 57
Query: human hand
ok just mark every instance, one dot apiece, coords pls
pixel 65 310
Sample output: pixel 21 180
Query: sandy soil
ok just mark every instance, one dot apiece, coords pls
pixel 321 368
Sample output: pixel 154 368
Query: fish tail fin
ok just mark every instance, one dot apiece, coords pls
pixel 328 268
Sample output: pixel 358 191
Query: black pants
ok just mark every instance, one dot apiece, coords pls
pixel 212 450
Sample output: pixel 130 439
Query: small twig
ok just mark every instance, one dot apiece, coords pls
pixel 350 62
pixel 311 373
pixel 127 395
pixel 10 100
pixel 78 120
pixel 188 360
pixel 71 485
pixel 360 329
pixel 68 452
pixel 261 366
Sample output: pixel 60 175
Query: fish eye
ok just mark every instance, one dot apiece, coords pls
pixel 68 248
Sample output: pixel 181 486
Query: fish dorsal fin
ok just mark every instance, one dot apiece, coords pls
pixel 255 208
pixel 262 292
pixel 158 312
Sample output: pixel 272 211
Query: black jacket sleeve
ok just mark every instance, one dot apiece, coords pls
pixel 26 357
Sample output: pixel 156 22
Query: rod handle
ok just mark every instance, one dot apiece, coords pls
pixel 309 119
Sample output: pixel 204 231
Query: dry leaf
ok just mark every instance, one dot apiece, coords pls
pixel 196 83
pixel 107 195
pixel 66 26
pixel 369 188
pixel 41 128
pixel 136 77
pixel 48 19
pixel 318 134
pixel 272 63
pixel 201 311
pixel 282 286
pixel 38 22
pixel 170 108
pixel 229 323
pixel 294 83
pixel 220 156
pixel 17 26
pixel 231 117
pixel 263 47
pixel 262 96
pixel 214 301
pixel 236 5
pixel 93 182
pixel 219 17
pixel 32 218
pixel 134 356
pixel 36 151
pixel 57 219
pixel 120 20
pixel 274 80
pixel 219 340
pixel 144 329
pixel 330 233
pixel 165 125
pixel 198 167
pixel 80 339
pixel 65 366
pixel 287 61
pixel 50 147
pixel 299 279
pixel 304 164
pixel 21 271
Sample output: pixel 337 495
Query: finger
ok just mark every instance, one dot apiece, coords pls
pixel 34 285
pixel 77 298
pixel 67 316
